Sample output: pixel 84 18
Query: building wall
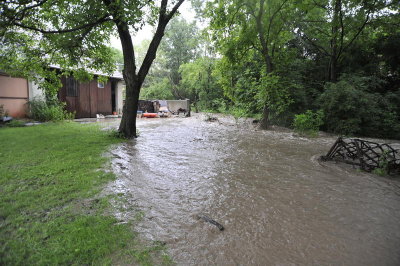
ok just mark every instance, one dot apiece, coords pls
pixel 14 95
pixel 119 94
pixel 91 99
pixel 104 105
pixel 34 91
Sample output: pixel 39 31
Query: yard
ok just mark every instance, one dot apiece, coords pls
pixel 51 211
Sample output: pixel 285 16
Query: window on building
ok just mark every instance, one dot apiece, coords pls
pixel 72 87
pixel 100 84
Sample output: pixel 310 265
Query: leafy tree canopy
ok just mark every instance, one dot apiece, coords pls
pixel 74 35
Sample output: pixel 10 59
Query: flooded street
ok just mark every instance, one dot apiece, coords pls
pixel 279 205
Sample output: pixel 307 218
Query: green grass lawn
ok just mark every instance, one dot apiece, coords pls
pixel 50 208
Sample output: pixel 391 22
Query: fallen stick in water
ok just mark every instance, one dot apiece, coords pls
pixel 211 221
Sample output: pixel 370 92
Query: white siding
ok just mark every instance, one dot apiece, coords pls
pixel 119 93
pixel 34 91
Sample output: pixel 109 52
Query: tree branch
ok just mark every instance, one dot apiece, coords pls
pixel 17 15
pixel 155 42
pixel 273 17
pixel 319 5
pixel 341 33
pixel 103 19
pixel 318 47
pixel 231 21
pixel 174 9
pixel 358 32
pixel 126 40
pixel 163 10
pixel 250 7
pixel 33 6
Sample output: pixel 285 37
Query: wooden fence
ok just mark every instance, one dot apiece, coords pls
pixel 365 154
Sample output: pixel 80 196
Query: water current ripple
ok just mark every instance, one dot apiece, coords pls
pixel 279 205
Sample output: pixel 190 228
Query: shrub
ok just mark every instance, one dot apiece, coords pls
pixel 217 104
pixel 2 111
pixel 40 110
pixel 383 167
pixel 273 92
pixel 16 123
pixel 352 108
pixel 158 90
pixel 308 123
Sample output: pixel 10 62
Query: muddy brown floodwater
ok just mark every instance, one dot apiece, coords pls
pixel 279 205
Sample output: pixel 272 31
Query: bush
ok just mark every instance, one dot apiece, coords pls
pixel 16 123
pixel 42 111
pixel 2 111
pixel 383 165
pixel 218 105
pixel 346 104
pixel 158 90
pixel 308 123
pixel 239 111
pixel 352 108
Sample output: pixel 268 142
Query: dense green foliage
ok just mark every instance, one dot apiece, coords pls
pixel 335 55
pixel 50 210
pixel 184 68
pixel 42 110
pixel 278 59
pixel 308 123
pixel 282 58
pixel 268 58
pixel 29 49
pixel 353 107
pixel 199 83
pixel 74 35
pixel 179 46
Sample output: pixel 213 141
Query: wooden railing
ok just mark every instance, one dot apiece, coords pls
pixel 365 154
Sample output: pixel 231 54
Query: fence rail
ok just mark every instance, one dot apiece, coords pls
pixel 365 154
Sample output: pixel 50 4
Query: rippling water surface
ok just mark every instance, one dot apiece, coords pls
pixel 279 205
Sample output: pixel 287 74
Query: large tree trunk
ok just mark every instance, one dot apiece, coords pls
pixel 133 79
pixel 128 122
pixel 334 41
pixel 266 56
pixel 264 123
pixel 333 68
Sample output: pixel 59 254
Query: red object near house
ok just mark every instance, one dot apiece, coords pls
pixel 150 115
